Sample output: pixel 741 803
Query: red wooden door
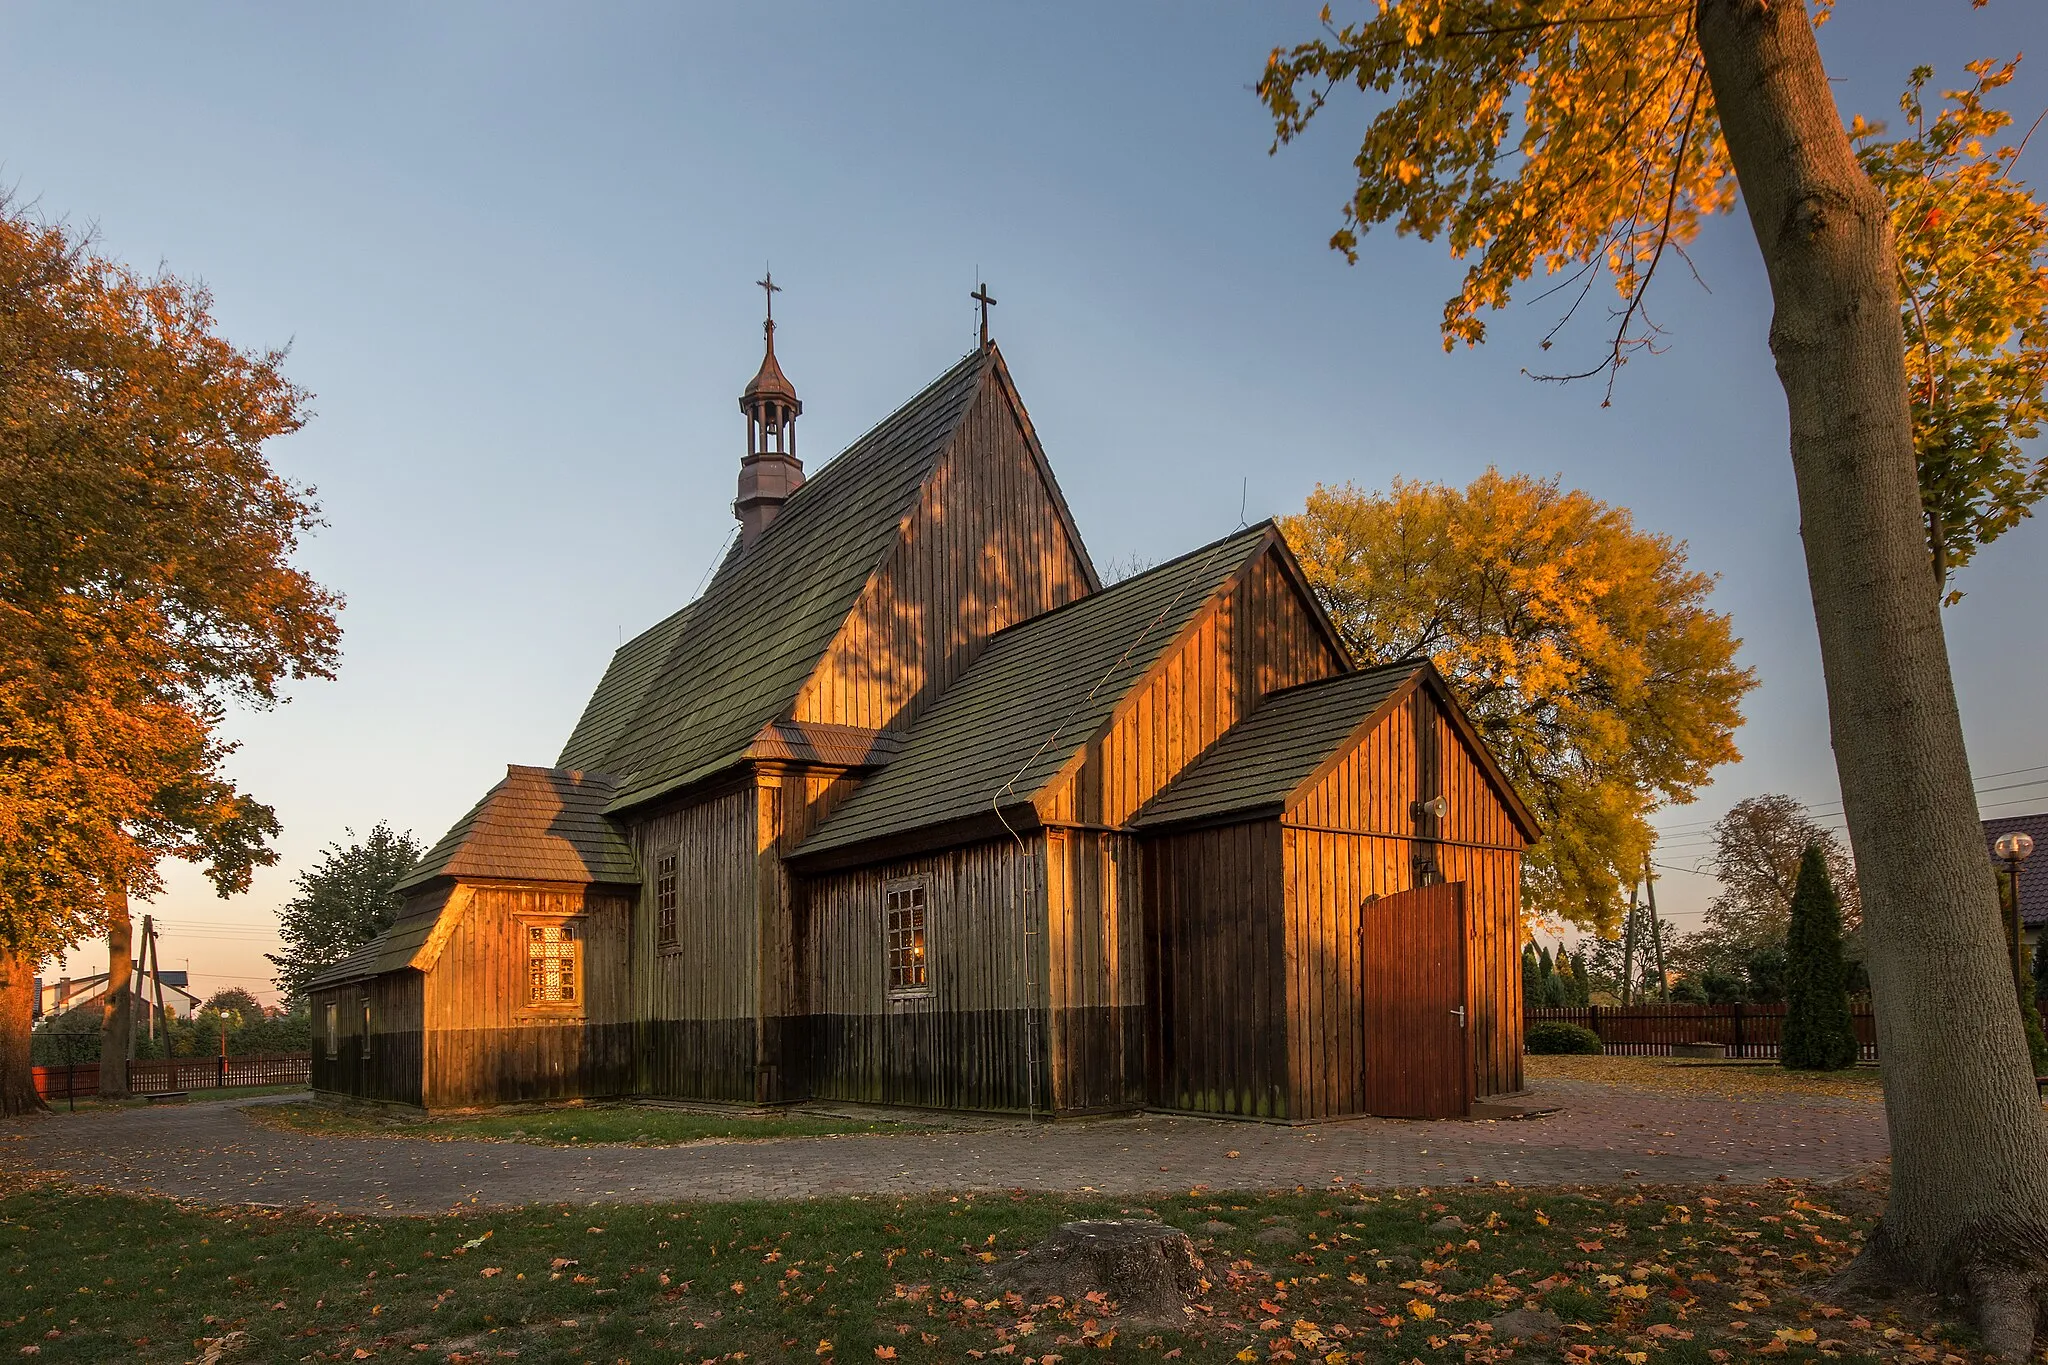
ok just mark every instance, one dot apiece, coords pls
pixel 1418 1004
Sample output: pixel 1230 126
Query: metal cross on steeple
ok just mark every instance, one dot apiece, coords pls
pixel 771 289
pixel 986 300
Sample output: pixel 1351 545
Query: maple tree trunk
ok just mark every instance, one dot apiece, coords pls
pixel 17 1019
pixel 117 1012
pixel 1968 1211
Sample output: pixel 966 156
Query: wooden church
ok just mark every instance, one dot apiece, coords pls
pixel 909 808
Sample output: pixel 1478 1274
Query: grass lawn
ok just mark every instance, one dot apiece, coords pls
pixel 577 1125
pixel 1635 1276
pixel 1686 1076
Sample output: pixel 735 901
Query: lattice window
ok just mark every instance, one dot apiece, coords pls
pixel 665 901
pixel 551 964
pixel 905 930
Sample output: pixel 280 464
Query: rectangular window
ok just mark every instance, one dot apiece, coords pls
pixel 551 964
pixel 665 901
pixel 905 939
pixel 333 1031
pixel 366 1021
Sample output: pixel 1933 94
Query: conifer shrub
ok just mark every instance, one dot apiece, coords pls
pixel 1556 1038
pixel 1819 1033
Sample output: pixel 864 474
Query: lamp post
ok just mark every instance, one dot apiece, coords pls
pixel 2012 849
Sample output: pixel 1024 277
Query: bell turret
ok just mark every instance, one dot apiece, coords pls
pixel 770 470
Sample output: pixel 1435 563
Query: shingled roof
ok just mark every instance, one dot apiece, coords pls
pixel 685 699
pixel 619 693
pixel 2033 874
pixel 1039 691
pixel 1260 762
pixel 394 948
pixel 538 824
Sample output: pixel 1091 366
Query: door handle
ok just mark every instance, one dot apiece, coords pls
pixel 1459 1010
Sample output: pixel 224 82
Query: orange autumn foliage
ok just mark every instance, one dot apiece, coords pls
pixel 145 582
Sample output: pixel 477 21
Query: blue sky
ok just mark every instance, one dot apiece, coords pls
pixel 511 249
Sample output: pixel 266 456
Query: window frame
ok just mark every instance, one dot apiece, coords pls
pixel 667 933
pixel 916 938
pixel 333 1030
pixel 570 926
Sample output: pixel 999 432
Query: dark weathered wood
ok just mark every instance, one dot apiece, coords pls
pixel 1077 958
pixel 1215 947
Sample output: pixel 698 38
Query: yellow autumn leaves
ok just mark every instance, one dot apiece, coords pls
pixel 1582 646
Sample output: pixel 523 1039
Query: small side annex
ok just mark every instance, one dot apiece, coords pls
pixel 1333 910
pixel 504 977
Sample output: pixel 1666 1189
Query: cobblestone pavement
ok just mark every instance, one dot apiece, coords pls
pixel 1602 1134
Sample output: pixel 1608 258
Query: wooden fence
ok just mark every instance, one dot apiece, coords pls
pixel 1749 1031
pixel 178 1073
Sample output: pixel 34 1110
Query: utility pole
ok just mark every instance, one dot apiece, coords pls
pixel 1628 948
pixel 149 970
pixel 1656 930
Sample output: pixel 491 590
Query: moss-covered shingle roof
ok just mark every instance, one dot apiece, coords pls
pixel 685 699
pixel 538 824
pixel 1039 691
pixel 1260 762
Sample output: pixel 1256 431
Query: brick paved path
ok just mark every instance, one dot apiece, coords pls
pixel 1605 1134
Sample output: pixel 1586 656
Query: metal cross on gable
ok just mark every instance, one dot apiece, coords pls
pixel 771 289
pixel 986 300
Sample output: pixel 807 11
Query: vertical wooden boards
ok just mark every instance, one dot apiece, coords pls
pixel 984 547
pixel 487 1042
pixel 697 1001
pixel 1215 963
pixel 1418 1054
pixel 1352 835
pixel 1095 970
pixel 967 1042
pixel 1259 636
pixel 382 1063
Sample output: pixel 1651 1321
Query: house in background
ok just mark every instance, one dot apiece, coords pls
pixel 2033 873
pixel 909 808
pixel 66 993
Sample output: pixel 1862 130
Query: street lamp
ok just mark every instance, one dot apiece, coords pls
pixel 2013 848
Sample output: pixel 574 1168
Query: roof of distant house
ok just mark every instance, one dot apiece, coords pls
pixel 2034 873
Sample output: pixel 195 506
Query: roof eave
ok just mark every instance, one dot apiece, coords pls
pixel 1019 818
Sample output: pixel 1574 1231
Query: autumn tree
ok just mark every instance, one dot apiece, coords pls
pixel 1757 850
pixel 1590 138
pixel 146 584
pixel 1972 245
pixel 1582 646
pixel 342 902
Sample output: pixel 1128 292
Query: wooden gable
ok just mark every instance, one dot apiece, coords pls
pixel 987 543
pixel 1416 745
pixel 1262 632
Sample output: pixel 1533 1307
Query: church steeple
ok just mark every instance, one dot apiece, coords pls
pixel 770 470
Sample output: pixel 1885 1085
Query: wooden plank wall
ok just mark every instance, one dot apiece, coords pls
pixel 385 1064
pixel 1216 990
pixel 1096 978
pixel 984 548
pixel 697 1003
pixel 791 802
pixel 1260 636
pixel 486 1044
pixel 963 1047
pixel 1349 838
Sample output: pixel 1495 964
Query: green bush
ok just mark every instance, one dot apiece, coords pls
pixel 1819 1033
pixel 1555 1038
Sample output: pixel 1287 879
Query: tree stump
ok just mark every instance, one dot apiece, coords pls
pixel 1146 1269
